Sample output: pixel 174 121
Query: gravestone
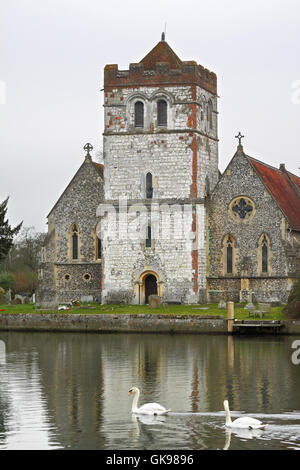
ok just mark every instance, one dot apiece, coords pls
pixel 86 298
pixel 222 305
pixel 249 305
pixel 19 298
pixel 153 301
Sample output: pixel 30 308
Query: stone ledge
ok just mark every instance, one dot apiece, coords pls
pixel 126 323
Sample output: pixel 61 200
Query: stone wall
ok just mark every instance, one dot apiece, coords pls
pixel 196 324
pixel 240 179
pixel 115 323
pixel 183 161
pixel 61 278
pixel 170 258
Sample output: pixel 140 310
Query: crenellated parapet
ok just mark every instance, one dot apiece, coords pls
pixel 153 71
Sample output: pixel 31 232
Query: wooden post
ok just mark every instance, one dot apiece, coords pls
pixel 230 316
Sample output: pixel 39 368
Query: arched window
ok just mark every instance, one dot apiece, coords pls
pixel 99 248
pixel 74 242
pixel 148 238
pixel 149 188
pixel 139 114
pixel 209 114
pixel 264 254
pixel 162 113
pixel 229 257
pixel 229 254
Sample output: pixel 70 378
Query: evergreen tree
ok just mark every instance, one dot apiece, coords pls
pixel 6 232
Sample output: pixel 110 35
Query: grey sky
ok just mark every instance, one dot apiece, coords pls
pixel 51 63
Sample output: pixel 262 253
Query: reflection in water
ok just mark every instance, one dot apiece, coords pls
pixel 140 420
pixel 71 390
pixel 230 349
pixel 242 434
pixel 2 352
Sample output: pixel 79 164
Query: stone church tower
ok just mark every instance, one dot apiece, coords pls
pixel 160 160
pixel 158 217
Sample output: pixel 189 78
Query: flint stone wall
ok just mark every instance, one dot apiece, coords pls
pixel 78 204
pixel 240 179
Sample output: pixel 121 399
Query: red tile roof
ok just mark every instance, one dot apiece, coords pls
pixel 162 52
pixel 284 187
pixel 295 179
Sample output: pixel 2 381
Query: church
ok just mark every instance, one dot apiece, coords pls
pixel 158 217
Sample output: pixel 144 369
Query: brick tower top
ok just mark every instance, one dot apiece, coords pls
pixel 160 67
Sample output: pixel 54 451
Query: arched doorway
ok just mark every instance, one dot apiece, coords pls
pixel 150 287
pixel 149 283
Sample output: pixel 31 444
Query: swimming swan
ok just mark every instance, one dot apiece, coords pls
pixel 242 423
pixel 148 408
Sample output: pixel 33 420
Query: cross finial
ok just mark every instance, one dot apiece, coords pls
pixel 240 137
pixel 88 147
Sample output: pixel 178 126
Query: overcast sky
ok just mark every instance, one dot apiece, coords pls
pixel 52 55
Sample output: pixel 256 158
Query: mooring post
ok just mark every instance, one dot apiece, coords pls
pixel 230 316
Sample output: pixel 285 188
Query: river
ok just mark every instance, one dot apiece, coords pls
pixel 70 391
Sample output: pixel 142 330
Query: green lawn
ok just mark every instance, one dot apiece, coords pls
pixel 208 309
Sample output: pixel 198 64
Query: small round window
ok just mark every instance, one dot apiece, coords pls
pixel 242 209
pixel 67 277
pixel 87 277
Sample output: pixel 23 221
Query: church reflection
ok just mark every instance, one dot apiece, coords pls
pixel 83 382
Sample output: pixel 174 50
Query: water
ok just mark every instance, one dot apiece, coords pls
pixel 70 391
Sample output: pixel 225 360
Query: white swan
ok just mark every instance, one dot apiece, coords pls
pixel 243 423
pixel 148 408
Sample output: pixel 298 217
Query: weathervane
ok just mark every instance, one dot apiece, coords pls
pixel 163 34
pixel 88 147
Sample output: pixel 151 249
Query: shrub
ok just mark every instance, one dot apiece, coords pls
pixel 292 308
pixel 6 280
pixel 2 298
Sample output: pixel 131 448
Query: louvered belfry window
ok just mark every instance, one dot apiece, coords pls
pixel 139 114
pixel 162 113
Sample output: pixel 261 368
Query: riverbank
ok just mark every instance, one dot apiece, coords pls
pixel 142 323
pixel 163 309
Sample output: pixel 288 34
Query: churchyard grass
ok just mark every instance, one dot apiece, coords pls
pixel 93 308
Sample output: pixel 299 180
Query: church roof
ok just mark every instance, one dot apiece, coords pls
pixel 284 187
pixel 161 67
pixel 162 52
pixel 99 167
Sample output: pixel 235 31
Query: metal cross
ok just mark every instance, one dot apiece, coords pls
pixel 240 137
pixel 88 147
